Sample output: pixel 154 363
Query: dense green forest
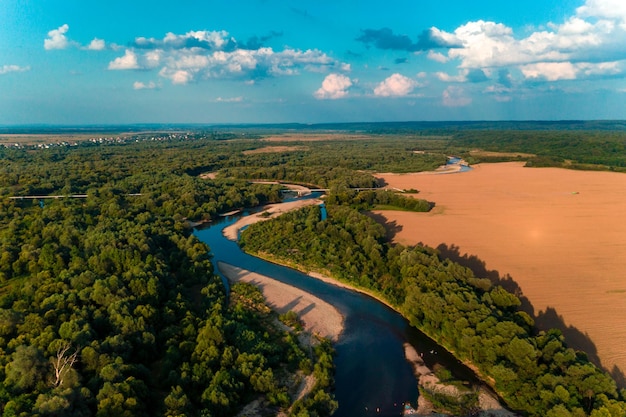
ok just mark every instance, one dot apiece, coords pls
pixel 109 305
pixel 534 372
pixel 575 150
pixel 109 308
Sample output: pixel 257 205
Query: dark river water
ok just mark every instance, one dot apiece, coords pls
pixel 372 375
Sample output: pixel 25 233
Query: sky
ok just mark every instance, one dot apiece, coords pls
pixel 76 62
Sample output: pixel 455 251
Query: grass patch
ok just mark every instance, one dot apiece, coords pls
pixel 390 208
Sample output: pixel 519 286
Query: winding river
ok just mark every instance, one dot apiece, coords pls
pixel 372 375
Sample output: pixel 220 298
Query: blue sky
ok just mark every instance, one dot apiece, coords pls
pixel 271 61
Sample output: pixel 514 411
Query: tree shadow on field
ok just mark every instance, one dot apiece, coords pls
pixel 392 228
pixel 380 182
pixel 544 320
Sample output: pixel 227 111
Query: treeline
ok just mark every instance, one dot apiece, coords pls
pixel 324 163
pixel 535 372
pixel 321 176
pixel 377 200
pixel 561 148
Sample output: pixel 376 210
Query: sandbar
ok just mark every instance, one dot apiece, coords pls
pixel 318 316
pixel 268 212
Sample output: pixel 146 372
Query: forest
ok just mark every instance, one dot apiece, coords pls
pixel 110 306
pixel 534 372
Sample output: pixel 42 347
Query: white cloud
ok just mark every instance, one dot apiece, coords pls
pixel 56 38
pixel 596 33
pixel 126 62
pixel 437 56
pixel 138 85
pixel 604 9
pixel 551 71
pixel 333 87
pixel 441 37
pixel 5 69
pixel 229 100
pixel 152 59
pixel 454 96
pixel 554 71
pixel 199 55
pixel 180 77
pixel 96 45
pixel 203 39
pixel 396 85
pixel 460 78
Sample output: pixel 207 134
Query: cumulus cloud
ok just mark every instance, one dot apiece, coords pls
pixel 454 96
pixel 56 38
pixel 465 75
pixel 96 45
pixel 551 71
pixel 437 56
pixel 555 71
pixel 204 39
pixel 396 85
pixel 604 9
pixel 199 55
pixel 333 87
pixel 461 77
pixel 126 62
pixel 138 85
pixel 5 69
pixel 596 34
pixel 434 38
pixel 179 77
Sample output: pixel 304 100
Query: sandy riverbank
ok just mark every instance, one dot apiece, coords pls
pixel 268 212
pixel 318 316
pixel 322 318
pixel 558 233
pixel 487 401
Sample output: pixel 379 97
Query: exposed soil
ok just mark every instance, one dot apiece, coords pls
pixel 556 236
pixel 208 175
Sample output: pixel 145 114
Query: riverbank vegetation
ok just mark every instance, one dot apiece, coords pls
pixel 109 305
pixel 534 372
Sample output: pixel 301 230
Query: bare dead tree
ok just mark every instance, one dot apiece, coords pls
pixel 63 362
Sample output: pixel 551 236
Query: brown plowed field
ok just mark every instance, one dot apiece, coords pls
pixel 559 235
